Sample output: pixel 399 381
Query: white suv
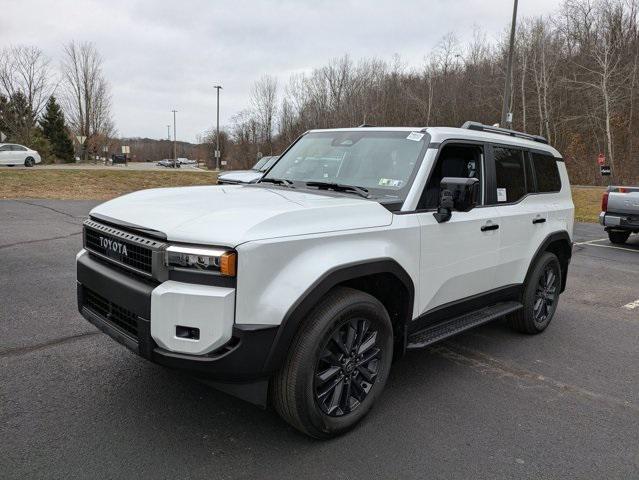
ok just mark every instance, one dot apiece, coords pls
pixel 357 245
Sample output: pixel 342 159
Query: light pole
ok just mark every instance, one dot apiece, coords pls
pixel 168 132
pixel 217 129
pixel 174 137
pixel 506 114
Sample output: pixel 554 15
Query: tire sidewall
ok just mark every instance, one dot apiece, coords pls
pixel 370 310
pixel 529 299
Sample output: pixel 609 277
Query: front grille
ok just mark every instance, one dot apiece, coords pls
pixel 127 249
pixel 123 319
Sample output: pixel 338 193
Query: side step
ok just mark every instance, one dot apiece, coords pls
pixel 453 326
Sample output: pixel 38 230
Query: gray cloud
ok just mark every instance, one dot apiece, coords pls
pixel 162 54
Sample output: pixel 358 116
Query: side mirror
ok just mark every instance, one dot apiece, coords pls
pixel 458 194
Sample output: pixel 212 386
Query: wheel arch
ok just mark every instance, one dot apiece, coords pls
pixel 384 279
pixel 560 244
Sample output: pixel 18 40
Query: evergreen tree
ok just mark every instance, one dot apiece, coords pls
pixel 54 130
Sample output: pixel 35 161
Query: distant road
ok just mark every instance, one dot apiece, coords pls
pixel 131 166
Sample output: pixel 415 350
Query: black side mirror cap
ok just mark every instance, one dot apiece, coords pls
pixel 457 193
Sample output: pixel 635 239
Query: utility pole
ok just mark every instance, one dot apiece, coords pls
pixel 217 129
pixel 174 137
pixel 506 114
pixel 168 132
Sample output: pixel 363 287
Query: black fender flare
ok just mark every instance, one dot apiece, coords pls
pixel 303 305
pixel 559 236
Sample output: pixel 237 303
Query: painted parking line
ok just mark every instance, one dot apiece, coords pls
pixel 590 241
pixel 632 305
pixel 593 243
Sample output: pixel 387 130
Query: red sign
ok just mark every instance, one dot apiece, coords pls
pixel 601 159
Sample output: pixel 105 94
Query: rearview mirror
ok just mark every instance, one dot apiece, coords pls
pixel 458 194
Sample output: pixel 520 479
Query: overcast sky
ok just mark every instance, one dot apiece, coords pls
pixel 161 54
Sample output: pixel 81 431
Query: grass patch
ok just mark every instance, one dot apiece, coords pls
pixel 105 184
pixel 587 203
pixel 92 184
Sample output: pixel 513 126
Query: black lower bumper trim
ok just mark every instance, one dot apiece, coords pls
pixel 242 359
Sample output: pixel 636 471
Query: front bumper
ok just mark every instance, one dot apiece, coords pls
pixel 142 316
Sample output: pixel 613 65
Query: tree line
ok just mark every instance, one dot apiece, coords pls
pixel 46 107
pixel 574 81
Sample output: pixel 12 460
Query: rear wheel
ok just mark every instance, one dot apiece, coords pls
pixel 540 298
pixel 337 365
pixel 618 236
pixel 29 162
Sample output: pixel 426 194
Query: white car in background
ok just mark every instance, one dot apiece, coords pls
pixel 13 154
pixel 247 176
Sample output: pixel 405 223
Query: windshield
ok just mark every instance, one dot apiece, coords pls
pixel 381 162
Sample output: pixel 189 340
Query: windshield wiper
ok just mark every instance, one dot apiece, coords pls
pixel 339 187
pixel 278 181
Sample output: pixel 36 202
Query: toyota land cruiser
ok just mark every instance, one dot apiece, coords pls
pixel 357 245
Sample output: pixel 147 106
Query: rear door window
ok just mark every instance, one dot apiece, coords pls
pixel 510 172
pixel 546 173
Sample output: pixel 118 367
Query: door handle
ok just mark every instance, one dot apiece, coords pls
pixel 489 226
pixel 539 220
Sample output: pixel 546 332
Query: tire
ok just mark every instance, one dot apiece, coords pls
pixel 540 298
pixel 301 391
pixel 618 236
pixel 29 162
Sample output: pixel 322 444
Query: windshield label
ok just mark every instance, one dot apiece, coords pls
pixel 390 182
pixel 415 136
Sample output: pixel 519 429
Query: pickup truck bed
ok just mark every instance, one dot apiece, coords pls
pixel 620 212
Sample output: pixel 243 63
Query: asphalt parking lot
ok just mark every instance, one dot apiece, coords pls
pixel 488 404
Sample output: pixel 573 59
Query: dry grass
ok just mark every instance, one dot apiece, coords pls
pixel 587 203
pixel 91 184
pixel 105 184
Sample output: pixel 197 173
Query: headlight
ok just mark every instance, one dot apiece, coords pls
pixel 205 260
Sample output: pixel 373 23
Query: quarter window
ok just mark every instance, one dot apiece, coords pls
pixel 511 174
pixel 546 173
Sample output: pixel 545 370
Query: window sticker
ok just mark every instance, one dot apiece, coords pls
pixel 390 182
pixel 501 195
pixel 415 136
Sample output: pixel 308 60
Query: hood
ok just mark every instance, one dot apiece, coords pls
pixel 241 176
pixel 228 215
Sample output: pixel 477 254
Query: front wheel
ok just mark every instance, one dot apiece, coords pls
pixel 29 162
pixel 337 365
pixel 540 298
pixel 618 236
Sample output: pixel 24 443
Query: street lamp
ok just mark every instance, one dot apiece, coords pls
pixel 506 114
pixel 174 137
pixel 217 132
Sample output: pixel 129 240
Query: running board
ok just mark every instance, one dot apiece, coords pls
pixel 455 325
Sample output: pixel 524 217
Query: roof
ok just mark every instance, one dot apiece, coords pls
pixel 440 134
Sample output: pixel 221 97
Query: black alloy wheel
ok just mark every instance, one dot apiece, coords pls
pixel 347 367
pixel 546 294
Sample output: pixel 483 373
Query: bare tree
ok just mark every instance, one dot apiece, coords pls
pixel 26 82
pixel 88 102
pixel 264 103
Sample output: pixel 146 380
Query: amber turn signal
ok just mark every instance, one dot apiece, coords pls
pixel 228 264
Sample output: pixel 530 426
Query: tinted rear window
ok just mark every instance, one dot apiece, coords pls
pixel 546 172
pixel 511 176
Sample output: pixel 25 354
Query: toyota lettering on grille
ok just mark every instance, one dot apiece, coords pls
pixel 113 246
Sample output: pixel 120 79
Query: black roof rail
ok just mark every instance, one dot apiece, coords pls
pixel 366 125
pixel 503 131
